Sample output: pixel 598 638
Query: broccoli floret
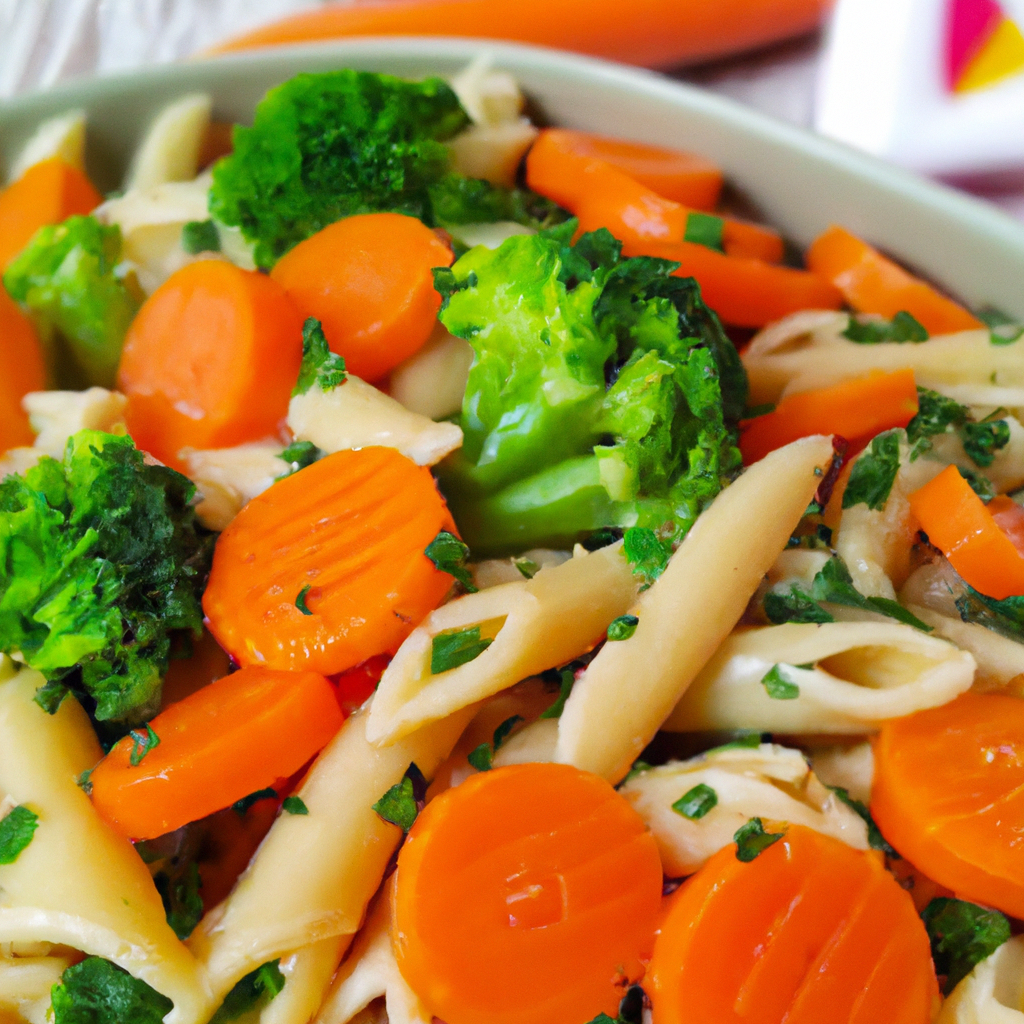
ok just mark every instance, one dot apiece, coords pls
pixel 603 393
pixel 101 561
pixel 68 275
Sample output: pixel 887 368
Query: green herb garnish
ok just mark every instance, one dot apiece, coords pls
pixel 17 828
pixel 455 648
pixel 300 601
pixel 874 473
pixel 142 743
pixel 200 236
pixel 962 934
pixel 778 686
pixel 96 991
pixel 450 555
pixel 696 802
pixel 320 366
pixel 704 229
pixel 252 993
pixel 752 840
pixel 623 627
pixel 294 805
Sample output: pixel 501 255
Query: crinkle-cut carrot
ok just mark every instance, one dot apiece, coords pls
pixel 965 531
pixel 948 793
pixel 810 931
pixel 326 568
pixel 871 283
pixel 744 292
pixel 523 896
pixel 368 280
pixel 47 193
pixel 210 360
pixel 682 177
pixel 22 370
pixel 855 409
pixel 233 737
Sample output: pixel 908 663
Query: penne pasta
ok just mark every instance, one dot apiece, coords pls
pixel 275 909
pixel 307 975
pixel 850 676
pixel 25 984
pixel 494 571
pixel 433 380
pixel 539 623
pixel 170 149
pixel 62 136
pixel 356 415
pixel 851 767
pixel 993 993
pixel 56 415
pixel 770 782
pixel 630 688
pixel 77 883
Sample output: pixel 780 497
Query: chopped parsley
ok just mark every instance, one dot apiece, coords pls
pixel 903 327
pixel 142 743
pixel 935 415
pixel 566 680
pixel 527 567
pixel 457 647
pixel 744 741
pixel 962 934
pixel 96 991
pixel 979 483
pixel 794 606
pixel 401 803
pixel 200 236
pixel 696 802
pixel 84 781
pixel 243 805
pixel 253 992
pixel 631 1007
pixel 320 366
pixel 449 554
pixel 179 887
pixel 294 805
pixel 623 627
pixel 300 601
pixel 705 229
pixel 752 840
pixel 639 767
pixel 298 455
pixel 482 757
pixel 874 473
pixel 17 828
pixel 982 440
pixel 778 686
pixel 1002 330
pixel 875 838
pixel 1005 617
pixel 647 554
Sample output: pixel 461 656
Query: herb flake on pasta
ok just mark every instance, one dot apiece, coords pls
pixel 962 934
pixel 179 891
pixel 875 838
pixel 200 236
pixel 834 585
pixel 982 440
pixel 935 415
pixel 294 805
pixel 793 606
pixel 646 552
pixel 752 840
pixel 320 366
pixel 143 741
pixel 96 991
pixel 17 828
pixel 623 627
pixel 696 802
pixel 253 992
pixel 401 803
pixel 298 455
pixel 903 327
pixel 778 686
pixel 566 680
pixel 874 473
pixel 450 555
pixel 482 756
pixel 455 648
pixel 1002 329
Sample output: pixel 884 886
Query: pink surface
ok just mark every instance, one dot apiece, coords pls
pixel 970 23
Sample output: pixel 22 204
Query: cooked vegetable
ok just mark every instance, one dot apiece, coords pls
pixel 234 736
pixel 777 686
pixel 252 993
pixel 752 840
pixel 551 452
pixel 948 793
pixel 963 529
pixel 450 650
pixel 68 276
pixel 814 931
pixel 402 802
pixel 368 280
pixel 449 554
pixel 522 894
pixel 101 562
pixel 481 757
pixel 354 527
pixel 208 340
pixel 320 366
pixel 96 991
pixel 874 473
pixel 623 627
pixel 47 193
pixel 683 177
pixel 17 827
pixel 696 802
pixel 873 284
pixel 200 236
pixel 855 409
pixel 962 935
pixel 24 371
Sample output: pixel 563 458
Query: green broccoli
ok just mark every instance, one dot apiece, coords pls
pixel 603 393
pixel 68 275
pixel 327 146
pixel 101 561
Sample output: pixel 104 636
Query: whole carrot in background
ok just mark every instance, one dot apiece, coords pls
pixel 655 33
pixel 210 360
pixel 23 370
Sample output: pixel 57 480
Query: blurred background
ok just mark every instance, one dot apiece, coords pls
pixel 936 86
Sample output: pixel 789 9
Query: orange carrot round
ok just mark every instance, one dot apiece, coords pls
pixel 808 931
pixel 744 292
pixel 47 193
pixel 948 793
pixel 233 737
pixel 326 568
pixel 368 280
pixel 523 895
pixel 873 284
pixel 854 409
pixel 962 528
pixel 23 370
pixel 210 360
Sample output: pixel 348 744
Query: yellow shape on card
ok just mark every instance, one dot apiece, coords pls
pixel 1001 57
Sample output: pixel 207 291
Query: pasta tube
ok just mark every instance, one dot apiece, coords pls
pixel 862 674
pixel 852 767
pixel 229 478
pixel 630 688
pixel 170 149
pixel 25 984
pixel 279 905
pixel 62 136
pixel 542 622
pixel 993 993
pixel 56 415
pixel 307 974
pixel 769 782
pixel 432 381
pixel 77 883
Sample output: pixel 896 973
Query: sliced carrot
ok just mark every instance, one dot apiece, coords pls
pixel 854 409
pixel 210 360
pixel 47 193
pixel 962 528
pixel 347 534
pixel 523 895
pixel 355 686
pixel 871 283
pixel 206 663
pixel 808 931
pixel 368 280
pixel 682 177
pixel 222 743
pixel 744 292
pixel 948 793
pixel 21 370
